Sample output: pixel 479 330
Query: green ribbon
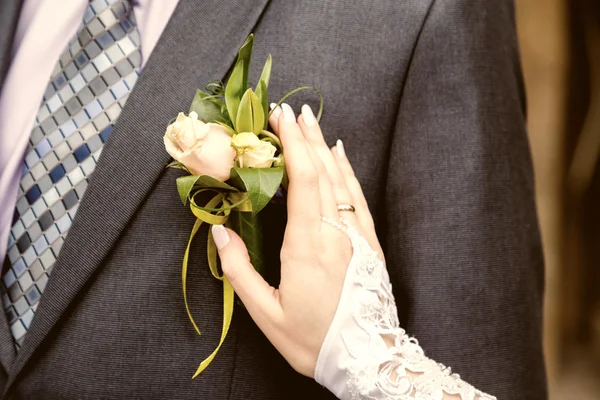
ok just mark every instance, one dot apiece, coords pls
pixel 212 214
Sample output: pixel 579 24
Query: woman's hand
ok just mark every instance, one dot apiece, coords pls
pixel 315 255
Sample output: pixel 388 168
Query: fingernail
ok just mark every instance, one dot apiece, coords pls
pixel 276 110
pixel 288 113
pixel 339 145
pixel 220 235
pixel 309 117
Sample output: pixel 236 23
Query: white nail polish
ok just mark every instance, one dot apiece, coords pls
pixel 220 235
pixel 308 116
pixel 339 145
pixel 288 113
pixel 276 111
pixel 273 105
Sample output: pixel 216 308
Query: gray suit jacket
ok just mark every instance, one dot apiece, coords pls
pixel 428 98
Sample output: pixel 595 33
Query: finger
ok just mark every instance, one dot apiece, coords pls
pixel 312 132
pixel 363 215
pixel 261 299
pixel 274 118
pixel 328 205
pixel 304 198
pixel 353 185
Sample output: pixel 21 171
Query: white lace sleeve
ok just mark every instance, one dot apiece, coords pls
pixel 355 363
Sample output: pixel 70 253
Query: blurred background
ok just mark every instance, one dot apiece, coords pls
pixel 560 46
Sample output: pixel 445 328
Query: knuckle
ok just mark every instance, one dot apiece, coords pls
pixel 321 170
pixel 230 271
pixel 308 177
pixel 234 266
pixel 325 180
pixel 339 187
pixel 348 169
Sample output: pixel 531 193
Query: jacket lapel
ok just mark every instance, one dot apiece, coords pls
pixel 9 17
pixel 198 45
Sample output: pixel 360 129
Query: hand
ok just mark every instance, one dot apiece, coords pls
pixel 314 256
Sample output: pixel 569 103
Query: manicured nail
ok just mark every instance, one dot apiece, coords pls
pixel 276 111
pixel 220 235
pixel 288 113
pixel 339 145
pixel 308 116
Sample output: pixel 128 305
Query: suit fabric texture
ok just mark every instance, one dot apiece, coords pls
pixel 428 99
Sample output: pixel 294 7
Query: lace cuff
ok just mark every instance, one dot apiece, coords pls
pixel 356 363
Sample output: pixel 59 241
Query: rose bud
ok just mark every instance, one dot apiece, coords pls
pixel 205 149
pixel 253 152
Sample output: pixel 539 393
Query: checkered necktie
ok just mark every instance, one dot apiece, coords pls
pixel 89 85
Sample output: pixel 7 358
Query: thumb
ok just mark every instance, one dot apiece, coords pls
pixel 256 294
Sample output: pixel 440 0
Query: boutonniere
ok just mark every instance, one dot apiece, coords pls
pixel 234 166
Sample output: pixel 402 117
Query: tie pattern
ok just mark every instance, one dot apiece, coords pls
pixel 89 86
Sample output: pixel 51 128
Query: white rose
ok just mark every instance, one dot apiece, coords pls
pixel 253 152
pixel 205 149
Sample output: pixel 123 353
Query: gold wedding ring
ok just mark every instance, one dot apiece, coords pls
pixel 346 207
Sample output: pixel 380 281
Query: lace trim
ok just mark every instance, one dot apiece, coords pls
pixel 376 371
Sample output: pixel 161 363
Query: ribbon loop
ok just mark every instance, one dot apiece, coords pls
pixel 212 214
pixel 228 296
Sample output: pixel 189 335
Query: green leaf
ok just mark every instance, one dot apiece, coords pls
pixel 186 184
pixel 261 89
pixel 260 183
pixel 215 87
pixel 248 227
pixel 266 72
pixel 251 117
pixel 244 121
pixel 263 96
pixel 207 107
pixel 238 81
pixel 258 113
pixel 245 54
pixel 234 90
